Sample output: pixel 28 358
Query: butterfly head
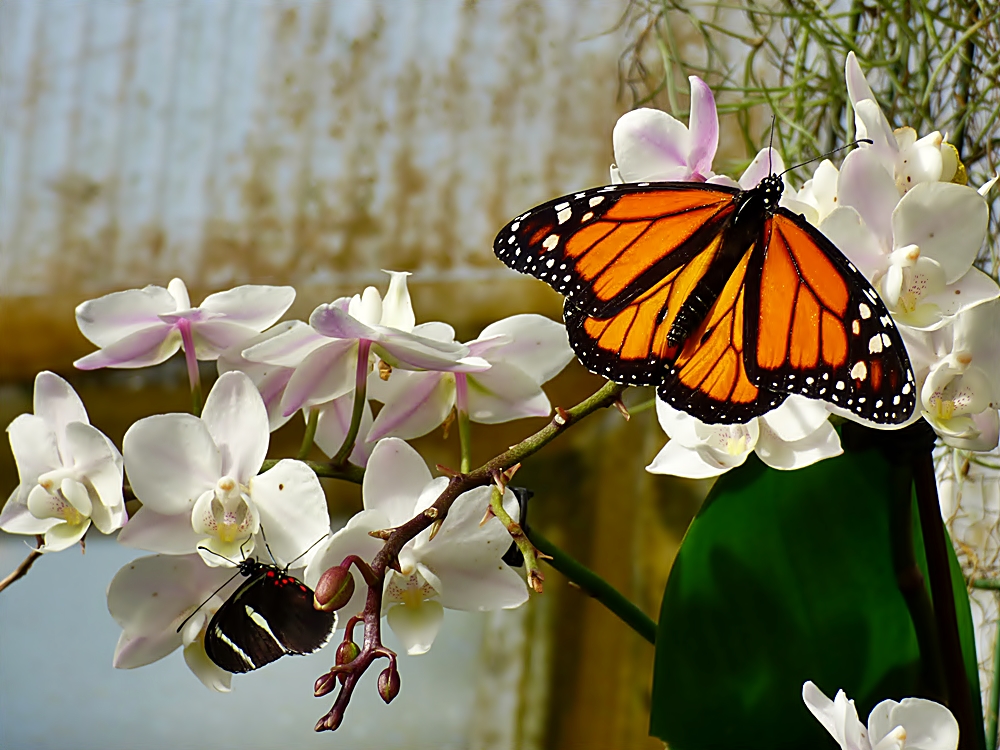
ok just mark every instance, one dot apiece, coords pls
pixel 770 189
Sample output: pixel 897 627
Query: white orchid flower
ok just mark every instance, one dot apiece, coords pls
pixel 142 327
pixel 332 357
pixel 796 434
pixel 460 568
pixel 70 474
pixel 523 351
pixel 199 482
pixel 913 723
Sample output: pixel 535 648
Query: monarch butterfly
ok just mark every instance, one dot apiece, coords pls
pixel 724 300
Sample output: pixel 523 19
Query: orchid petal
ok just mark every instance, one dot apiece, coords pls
pixel 325 374
pixel 155 532
pixel 703 125
pixel 397 310
pixel 970 290
pixel 253 306
pixel 678 460
pixel 101 460
pixel 333 422
pixel 947 222
pixel 778 454
pixel 416 625
pixel 504 393
pixel 679 426
pixel 285 347
pixel 651 145
pixel 987 426
pixel 797 418
pixel 292 509
pixel 765 163
pixel 334 322
pixel 928 725
pixel 236 419
pixel 58 405
pixel 865 185
pixel 120 314
pixel 211 675
pixel 63 536
pixel 15 518
pixel 539 346
pixel 170 460
pixel 149 346
pixel 213 337
pixel 871 123
pixel 409 352
pixel 846 229
pixel 394 479
pixel 138 651
pixel 415 404
pixel 35 449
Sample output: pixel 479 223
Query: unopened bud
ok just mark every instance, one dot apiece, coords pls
pixel 325 684
pixel 334 590
pixel 330 722
pixel 388 683
pixel 347 652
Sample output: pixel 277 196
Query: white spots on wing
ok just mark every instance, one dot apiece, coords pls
pixel 596 201
pixel 551 241
pixel 550 262
pixel 587 216
pixel 886 341
pixel 826 376
pixel 866 312
pixel 564 215
pixel 561 206
pixel 855 327
pixel 885 320
pixel 875 344
pixel 840 385
pixel 859 371
pixel 515 226
pixel 906 389
pixel 810 380
pixel 895 400
pixel 878 404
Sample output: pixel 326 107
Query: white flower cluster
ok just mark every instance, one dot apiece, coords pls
pixel 897 210
pixel 206 503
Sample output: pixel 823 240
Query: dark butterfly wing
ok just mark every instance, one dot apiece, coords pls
pixel 270 615
pixel 816 327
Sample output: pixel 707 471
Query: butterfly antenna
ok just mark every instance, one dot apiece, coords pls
pixel 307 550
pixel 213 552
pixel 770 148
pixel 267 546
pixel 828 153
pixel 245 543
pixel 209 597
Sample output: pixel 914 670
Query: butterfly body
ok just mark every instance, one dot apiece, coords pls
pixel 721 298
pixel 269 615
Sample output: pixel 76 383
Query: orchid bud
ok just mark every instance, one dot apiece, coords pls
pixel 388 683
pixel 334 590
pixel 324 684
pixel 347 652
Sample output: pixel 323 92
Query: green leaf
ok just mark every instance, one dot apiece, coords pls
pixel 785 577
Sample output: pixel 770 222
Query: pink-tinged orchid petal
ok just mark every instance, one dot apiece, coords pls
pixel 353 539
pixel 765 163
pixel 539 346
pixel 15 518
pixel 394 479
pixel 144 348
pixel 138 651
pixel 212 337
pixel 252 306
pixel 236 419
pixel 436 330
pixel 120 314
pixel 155 532
pixel 397 310
pixel 703 125
pixel 334 421
pixel 845 228
pixel 866 186
pixel 465 556
pixel 947 222
pixel 415 404
pixel 292 509
pixel 270 380
pixel 324 375
pixel 170 459
pixel 35 449
pixel 416 625
pixel 871 123
pixel 285 345
pixel 651 145
pixel 333 322
pixel 504 393
pixel 409 352
pixel 987 434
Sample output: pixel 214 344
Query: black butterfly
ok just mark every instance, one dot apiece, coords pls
pixel 270 615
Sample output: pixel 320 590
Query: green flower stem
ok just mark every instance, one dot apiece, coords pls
pixel 939 573
pixel 597 587
pixel 910 580
pixel 307 439
pixel 992 584
pixel 994 706
pixel 527 549
pixel 327 470
pixel 464 424
pixel 360 395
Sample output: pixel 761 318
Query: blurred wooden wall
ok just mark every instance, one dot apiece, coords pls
pixel 313 144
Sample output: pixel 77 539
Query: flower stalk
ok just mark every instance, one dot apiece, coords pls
pixel 531 555
pixel 21 570
pixel 310 434
pixel 464 424
pixel 360 396
pixel 191 360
